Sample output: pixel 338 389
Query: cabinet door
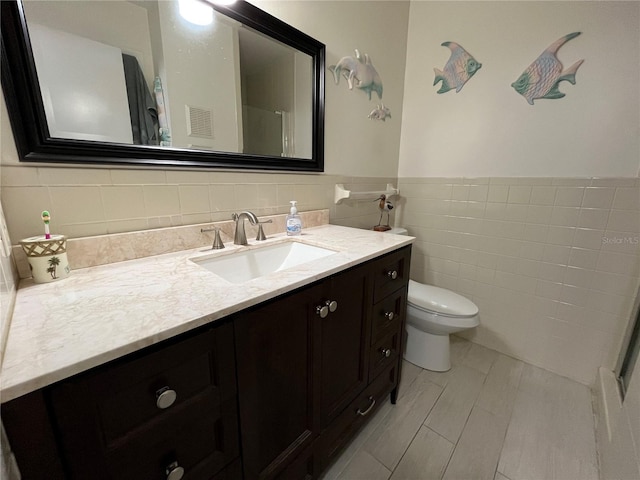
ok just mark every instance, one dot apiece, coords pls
pixel 276 380
pixel 342 341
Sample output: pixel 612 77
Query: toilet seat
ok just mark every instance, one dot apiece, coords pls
pixel 440 301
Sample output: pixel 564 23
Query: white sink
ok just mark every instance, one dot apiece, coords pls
pixel 245 265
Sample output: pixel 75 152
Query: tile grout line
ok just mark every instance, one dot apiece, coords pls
pixel 421 424
pixel 517 389
pixel 466 420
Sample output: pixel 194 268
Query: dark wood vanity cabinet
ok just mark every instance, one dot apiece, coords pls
pixel 275 391
pixel 314 364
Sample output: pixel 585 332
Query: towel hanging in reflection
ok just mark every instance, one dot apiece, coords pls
pixel 144 116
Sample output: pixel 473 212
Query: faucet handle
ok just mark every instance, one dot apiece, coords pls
pixel 261 236
pixel 217 241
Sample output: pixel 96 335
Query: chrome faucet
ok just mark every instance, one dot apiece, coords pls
pixel 240 237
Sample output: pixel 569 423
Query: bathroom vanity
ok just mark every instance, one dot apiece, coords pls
pixel 271 383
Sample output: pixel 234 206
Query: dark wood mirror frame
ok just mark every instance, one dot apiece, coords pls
pixel 28 121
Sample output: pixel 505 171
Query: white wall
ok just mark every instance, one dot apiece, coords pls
pixel 501 194
pixel 487 129
pixel 355 145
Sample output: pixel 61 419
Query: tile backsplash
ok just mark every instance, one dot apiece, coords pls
pixel 86 252
pixel 90 201
pixel 552 263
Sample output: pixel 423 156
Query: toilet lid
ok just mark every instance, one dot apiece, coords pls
pixel 440 300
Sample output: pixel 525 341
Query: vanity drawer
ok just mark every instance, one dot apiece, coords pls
pixel 387 315
pixel 339 434
pixel 391 273
pixel 200 439
pixel 128 394
pixel 384 353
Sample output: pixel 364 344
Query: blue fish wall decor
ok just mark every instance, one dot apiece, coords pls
pixel 459 69
pixel 359 72
pixel 542 78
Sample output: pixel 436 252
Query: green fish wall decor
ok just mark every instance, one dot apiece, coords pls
pixel 542 78
pixel 459 69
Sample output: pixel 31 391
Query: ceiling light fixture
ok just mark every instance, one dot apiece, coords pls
pixel 196 12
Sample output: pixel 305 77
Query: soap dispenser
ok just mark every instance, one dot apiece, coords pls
pixel 294 222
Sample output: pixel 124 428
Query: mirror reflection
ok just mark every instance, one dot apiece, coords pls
pixel 174 74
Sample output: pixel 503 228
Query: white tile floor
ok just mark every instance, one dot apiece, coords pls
pixel 490 417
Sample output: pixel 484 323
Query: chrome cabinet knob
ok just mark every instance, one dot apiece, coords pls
pixel 329 306
pixel 389 315
pixel 392 274
pixel 386 352
pixel 165 397
pixel 333 305
pixel 174 471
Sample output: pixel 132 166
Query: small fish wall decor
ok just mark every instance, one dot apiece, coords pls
pixel 358 72
pixel 542 78
pixel 459 69
pixel 380 113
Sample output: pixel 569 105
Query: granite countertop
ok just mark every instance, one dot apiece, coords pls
pixel 101 313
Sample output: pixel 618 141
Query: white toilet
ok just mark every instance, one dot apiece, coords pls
pixel 432 314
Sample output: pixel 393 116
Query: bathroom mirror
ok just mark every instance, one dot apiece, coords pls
pixel 155 82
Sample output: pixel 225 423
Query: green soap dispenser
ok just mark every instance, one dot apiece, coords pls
pixel 294 222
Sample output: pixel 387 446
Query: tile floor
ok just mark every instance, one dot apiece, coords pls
pixel 490 417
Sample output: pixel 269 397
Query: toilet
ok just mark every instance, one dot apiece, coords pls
pixel 432 314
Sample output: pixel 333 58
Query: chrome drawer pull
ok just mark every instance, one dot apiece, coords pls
pixel 174 471
pixel 165 397
pixel 386 352
pixel 392 274
pixel 389 315
pixel 366 412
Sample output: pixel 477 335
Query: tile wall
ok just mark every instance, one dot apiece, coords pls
pixel 89 201
pixel 8 284
pixel 552 263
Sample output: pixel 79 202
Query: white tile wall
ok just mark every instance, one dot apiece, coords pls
pixel 553 263
pixel 91 201
pixel 8 284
